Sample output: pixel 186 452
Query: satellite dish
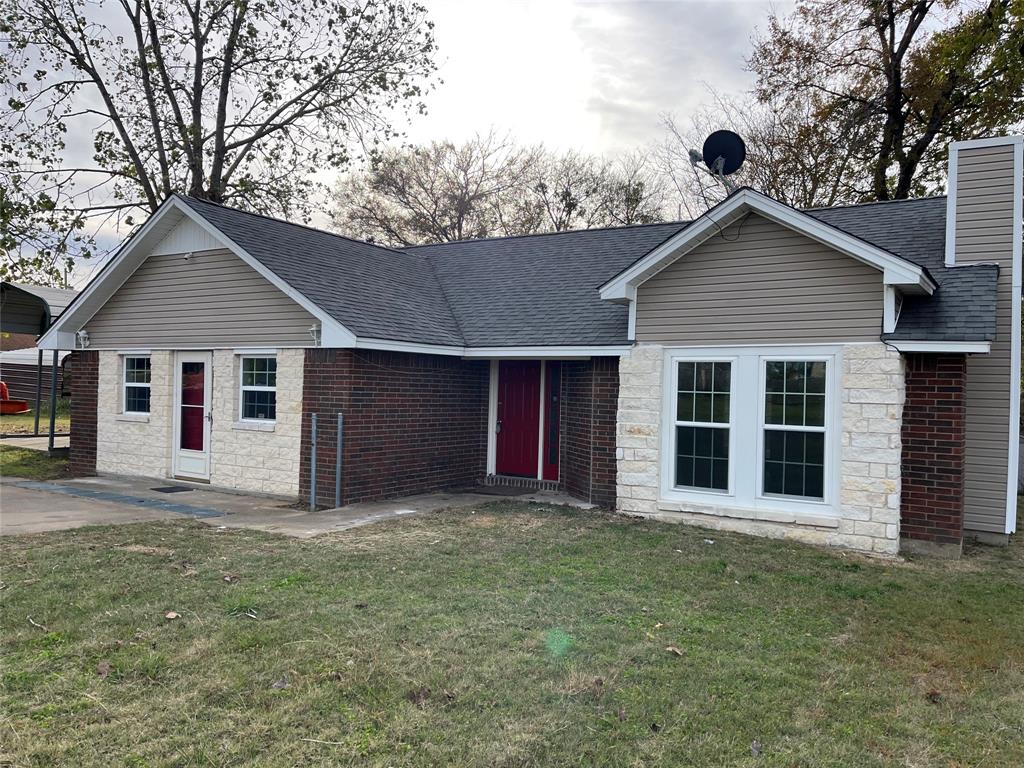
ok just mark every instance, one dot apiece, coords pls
pixel 724 152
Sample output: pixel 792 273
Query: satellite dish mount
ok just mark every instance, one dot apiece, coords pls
pixel 723 154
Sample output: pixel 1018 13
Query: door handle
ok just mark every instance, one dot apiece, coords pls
pixel 209 416
pixel 497 427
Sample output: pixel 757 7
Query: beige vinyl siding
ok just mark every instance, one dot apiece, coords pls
pixel 211 300
pixel 984 233
pixel 760 282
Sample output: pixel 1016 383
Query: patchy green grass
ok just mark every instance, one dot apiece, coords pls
pixel 33 465
pixel 24 423
pixel 512 636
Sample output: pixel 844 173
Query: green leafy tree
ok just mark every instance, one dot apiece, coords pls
pixel 915 74
pixel 232 101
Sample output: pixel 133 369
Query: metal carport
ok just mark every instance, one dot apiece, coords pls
pixel 31 309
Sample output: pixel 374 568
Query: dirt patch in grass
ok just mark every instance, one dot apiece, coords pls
pixel 542 636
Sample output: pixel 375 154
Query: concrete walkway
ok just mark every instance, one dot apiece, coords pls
pixel 33 507
pixel 40 443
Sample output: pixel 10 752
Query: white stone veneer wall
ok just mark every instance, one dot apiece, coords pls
pixel 246 457
pixel 134 445
pixel 872 394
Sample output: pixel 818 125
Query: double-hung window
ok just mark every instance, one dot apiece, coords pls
pixel 703 393
pixel 137 383
pixel 755 426
pixel 259 388
pixel 794 428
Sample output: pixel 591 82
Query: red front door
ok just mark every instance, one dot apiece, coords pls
pixel 518 417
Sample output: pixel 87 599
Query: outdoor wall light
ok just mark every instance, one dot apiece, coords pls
pixel 314 331
pixel 82 337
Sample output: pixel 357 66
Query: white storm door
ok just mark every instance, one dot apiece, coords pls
pixel 192 414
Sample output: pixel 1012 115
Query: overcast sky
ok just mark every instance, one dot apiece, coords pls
pixel 592 76
pixel 588 75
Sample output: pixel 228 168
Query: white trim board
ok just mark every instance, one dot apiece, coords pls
pixel 953 347
pixel 896 271
pixel 1013 467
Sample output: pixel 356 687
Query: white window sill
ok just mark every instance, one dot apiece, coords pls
pixel 139 418
pixel 254 426
pixel 825 519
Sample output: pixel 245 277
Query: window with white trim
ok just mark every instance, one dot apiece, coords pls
pixel 703 391
pixel 137 382
pixel 752 427
pixel 258 388
pixel 794 428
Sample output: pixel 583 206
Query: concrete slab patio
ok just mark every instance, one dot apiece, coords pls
pixel 33 507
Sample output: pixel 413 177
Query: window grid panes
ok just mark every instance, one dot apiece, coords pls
pixel 703 391
pixel 137 373
pixel 794 434
pixel 259 388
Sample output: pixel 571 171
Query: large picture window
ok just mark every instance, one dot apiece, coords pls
pixel 259 389
pixel 794 428
pixel 703 394
pixel 137 383
pixel 752 428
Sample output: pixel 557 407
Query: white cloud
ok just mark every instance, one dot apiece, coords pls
pixel 584 75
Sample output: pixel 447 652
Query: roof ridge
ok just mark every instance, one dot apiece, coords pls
pixel 291 223
pixel 871 202
pixel 543 234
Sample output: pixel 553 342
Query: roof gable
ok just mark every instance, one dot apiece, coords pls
pixel 896 271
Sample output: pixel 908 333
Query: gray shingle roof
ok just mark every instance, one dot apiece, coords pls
pixel 541 290
pixel 964 306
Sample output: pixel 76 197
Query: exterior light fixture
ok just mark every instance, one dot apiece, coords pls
pixel 82 337
pixel 314 331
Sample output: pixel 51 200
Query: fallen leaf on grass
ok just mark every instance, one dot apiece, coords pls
pixel 934 696
pixel 419 696
pixel 172 615
pixel 104 668
pixel 281 683
pixel 672 649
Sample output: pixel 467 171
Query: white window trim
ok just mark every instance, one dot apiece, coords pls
pixel 242 421
pixel 135 415
pixel 829 430
pixel 746 429
pixel 696 356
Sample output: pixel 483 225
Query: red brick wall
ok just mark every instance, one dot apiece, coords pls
pixel 413 423
pixel 932 504
pixel 590 391
pixel 83 372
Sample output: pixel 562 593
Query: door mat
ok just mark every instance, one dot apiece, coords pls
pixel 171 489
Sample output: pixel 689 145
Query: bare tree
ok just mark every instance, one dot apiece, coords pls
pixel 438 192
pixel 490 186
pixel 227 100
pixel 792 155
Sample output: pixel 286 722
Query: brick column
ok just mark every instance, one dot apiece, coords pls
pixel 932 508
pixel 84 374
pixel 590 393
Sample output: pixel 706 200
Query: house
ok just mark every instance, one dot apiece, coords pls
pixel 846 376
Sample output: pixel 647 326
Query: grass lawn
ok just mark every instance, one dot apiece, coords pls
pixel 24 423
pixel 515 636
pixel 34 465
